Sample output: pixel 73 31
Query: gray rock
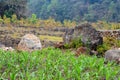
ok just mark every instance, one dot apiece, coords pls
pixel 67 38
pixel 29 42
pixel 112 55
pixel 89 36
pixel 1 45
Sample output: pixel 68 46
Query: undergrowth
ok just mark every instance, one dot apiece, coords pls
pixel 108 43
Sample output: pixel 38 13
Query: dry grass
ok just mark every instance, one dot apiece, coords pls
pixel 51 38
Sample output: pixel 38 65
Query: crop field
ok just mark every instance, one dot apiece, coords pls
pixel 55 64
pixel 66 39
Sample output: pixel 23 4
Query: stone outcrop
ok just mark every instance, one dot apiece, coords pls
pixel 113 55
pixel 29 42
pixel 89 36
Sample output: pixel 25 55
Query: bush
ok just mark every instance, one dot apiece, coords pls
pixel 33 19
pixel 14 19
pixel 75 43
pixel 103 48
pixel 108 43
pixel 112 41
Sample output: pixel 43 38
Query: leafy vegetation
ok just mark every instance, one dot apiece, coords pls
pixel 77 10
pixel 10 7
pixel 108 43
pixel 75 43
pixel 54 64
pixel 60 10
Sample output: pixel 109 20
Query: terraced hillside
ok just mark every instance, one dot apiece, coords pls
pixel 10 36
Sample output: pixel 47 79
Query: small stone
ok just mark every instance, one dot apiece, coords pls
pixel 81 50
pixel 113 55
pixel 7 48
pixel 59 45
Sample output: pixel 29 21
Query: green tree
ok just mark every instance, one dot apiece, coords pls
pixel 10 7
pixel 78 10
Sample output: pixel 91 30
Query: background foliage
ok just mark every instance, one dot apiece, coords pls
pixel 77 10
pixel 10 7
pixel 60 10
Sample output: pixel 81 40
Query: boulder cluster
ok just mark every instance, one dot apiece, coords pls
pixel 91 38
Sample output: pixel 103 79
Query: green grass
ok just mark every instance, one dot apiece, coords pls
pixel 54 64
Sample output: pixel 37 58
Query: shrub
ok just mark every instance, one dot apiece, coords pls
pixel 6 20
pixel 108 43
pixel 112 41
pixel 1 20
pixel 14 18
pixel 33 19
pixel 103 48
pixel 75 43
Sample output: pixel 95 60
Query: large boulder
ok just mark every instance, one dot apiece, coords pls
pixel 113 55
pixel 88 35
pixel 29 42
